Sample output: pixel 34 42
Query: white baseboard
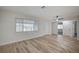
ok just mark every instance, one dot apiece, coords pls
pixel 10 42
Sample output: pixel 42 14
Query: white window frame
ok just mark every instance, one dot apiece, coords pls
pixel 20 25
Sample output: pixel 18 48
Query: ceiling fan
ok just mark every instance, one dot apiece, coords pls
pixel 58 18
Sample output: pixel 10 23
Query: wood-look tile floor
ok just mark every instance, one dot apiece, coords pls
pixel 44 44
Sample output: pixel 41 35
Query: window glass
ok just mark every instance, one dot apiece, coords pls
pixel 23 25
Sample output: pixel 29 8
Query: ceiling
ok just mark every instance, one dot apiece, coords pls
pixel 47 13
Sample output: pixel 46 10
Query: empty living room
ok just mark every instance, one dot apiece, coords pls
pixel 39 29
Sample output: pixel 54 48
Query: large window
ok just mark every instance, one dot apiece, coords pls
pixel 23 25
pixel 60 25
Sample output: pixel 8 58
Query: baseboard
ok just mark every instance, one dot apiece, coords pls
pixel 10 42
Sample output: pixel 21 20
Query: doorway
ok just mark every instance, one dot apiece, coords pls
pixel 60 28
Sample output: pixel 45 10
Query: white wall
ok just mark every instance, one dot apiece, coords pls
pixel 7 28
pixel 68 28
pixel 0 27
pixel 54 28
pixel 78 30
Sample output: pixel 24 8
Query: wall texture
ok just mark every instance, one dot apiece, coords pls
pixel 78 30
pixel 54 28
pixel 68 28
pixel 7 28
